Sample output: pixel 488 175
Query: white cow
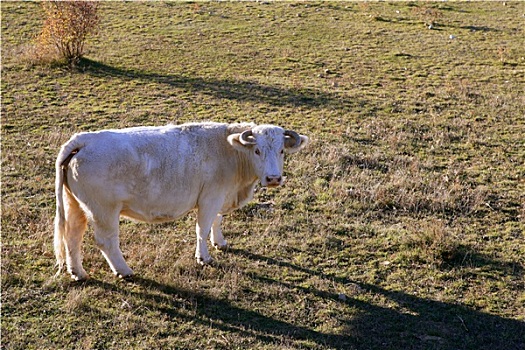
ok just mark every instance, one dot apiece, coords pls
pixel 158 174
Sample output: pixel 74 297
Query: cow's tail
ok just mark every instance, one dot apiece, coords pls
pixel 67 152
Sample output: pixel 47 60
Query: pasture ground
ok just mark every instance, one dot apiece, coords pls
pixel 400 227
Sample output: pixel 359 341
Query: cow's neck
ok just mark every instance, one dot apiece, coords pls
pixel 245 172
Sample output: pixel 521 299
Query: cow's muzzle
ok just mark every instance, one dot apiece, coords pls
pixel 273 181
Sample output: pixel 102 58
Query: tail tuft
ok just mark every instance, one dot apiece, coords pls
pixel 60 249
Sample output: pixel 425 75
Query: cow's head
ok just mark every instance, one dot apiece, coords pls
pixel 265 146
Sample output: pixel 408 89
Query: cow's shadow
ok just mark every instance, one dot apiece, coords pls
pixel 415 323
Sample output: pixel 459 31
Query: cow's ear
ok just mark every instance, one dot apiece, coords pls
pixel 298 147
pixel 234 140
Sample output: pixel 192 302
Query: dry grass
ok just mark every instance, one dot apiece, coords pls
pixel 400 227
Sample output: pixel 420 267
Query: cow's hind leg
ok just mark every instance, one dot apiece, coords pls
pixel 106 237
pixel 75 226
pixel 217 239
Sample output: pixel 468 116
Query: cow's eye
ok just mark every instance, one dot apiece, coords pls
pixel 257 151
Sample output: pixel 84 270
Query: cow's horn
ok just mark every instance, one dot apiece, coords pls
pixel 247 138
pixel 293 140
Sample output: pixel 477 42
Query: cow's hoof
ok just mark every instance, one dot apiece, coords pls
pixel 79 276
pixel 122 272
pixel 204 261
pixel 126 277
pixel 222 247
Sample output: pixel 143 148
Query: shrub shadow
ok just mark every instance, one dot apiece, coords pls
pixel 248 91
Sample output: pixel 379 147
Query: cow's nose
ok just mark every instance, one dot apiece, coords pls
pixel 273 180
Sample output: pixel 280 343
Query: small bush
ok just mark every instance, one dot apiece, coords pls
pixel 432 241
pixel 428 15
pixel 66 27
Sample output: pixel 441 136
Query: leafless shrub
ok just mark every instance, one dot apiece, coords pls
pixel 67 25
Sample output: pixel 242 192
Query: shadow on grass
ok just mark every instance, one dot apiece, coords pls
pixel 249 91
pixel 230 318
pixel 411 323
pixel 464 255
pixel 415 323
pixel 217 313
pixel 480 29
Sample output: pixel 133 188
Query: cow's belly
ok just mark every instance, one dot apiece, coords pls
pixel 152 216
pixel 159 208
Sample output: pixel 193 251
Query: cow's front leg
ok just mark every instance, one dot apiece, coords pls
pixel 217 239
pixel 205 219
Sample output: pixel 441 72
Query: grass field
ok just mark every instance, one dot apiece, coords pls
pixel 400 227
